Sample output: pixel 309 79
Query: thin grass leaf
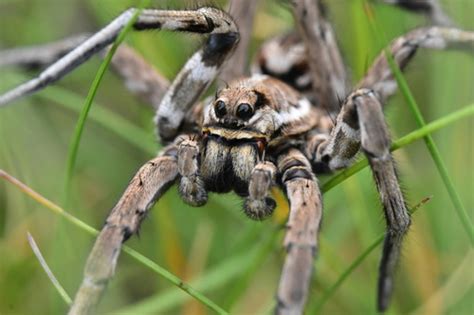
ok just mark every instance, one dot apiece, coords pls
pixel 133 253
pixel 76 139
pixel 316 308
pixel 430 144
pixel 427 129
pixel 48 271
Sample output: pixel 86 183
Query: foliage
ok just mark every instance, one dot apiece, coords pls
pixel 232 260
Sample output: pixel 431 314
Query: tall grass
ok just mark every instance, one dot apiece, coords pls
pixel 240 267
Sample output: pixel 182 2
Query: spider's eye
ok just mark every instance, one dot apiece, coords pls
pixel 244 111
pixel 220 109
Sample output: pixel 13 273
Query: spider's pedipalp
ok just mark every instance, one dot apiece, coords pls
pixel 150 182
pixel 191 186
pixel 300 241
pixel 259 204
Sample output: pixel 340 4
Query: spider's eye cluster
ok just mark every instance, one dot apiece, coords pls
pixel 220 109
pixel 244 111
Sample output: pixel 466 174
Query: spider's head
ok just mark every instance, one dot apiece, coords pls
pixel 242 111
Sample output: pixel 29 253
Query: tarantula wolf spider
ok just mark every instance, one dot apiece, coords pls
pixel 272 128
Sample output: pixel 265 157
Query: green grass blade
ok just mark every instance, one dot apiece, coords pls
pixel 133 253
pixel 430 144
pixel 400 143
pixel 74 146
pixel 66 298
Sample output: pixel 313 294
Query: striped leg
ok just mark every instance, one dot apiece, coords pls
pixel 39 56
pixel 150 182
pixel 139 77
pixel 328 72
pixel 259 204
pixel 431 8
pixel 361 124
pixel 380 78
pixel 243 12
pixel 303 226
pixel 190 83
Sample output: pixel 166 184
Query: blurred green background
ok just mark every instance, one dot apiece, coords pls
pixel 234 261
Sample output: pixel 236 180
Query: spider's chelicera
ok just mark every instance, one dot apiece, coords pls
pixel 272 128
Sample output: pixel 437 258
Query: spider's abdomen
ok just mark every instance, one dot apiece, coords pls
pixel 227 166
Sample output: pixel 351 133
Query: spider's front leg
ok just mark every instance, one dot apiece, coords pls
pixel 196 75
pixel 361 124
pixel 303 225
pixel 150 182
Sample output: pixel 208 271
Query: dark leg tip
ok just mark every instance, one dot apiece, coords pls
pixel 259 209
pixel 193 193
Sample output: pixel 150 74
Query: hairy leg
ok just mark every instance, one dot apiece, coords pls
pixel 431 8
pixel 361 124
pixel 40 55
pixel 327 69
pixel 139 77
pixel 190 83
pixel 303 227
pixel 243 12
pixel 379 77
pixel 150 182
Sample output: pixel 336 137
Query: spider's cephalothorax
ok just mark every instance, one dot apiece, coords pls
pixel 273 128
pixel 249 121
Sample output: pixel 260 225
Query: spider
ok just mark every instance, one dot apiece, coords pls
pixel 272 128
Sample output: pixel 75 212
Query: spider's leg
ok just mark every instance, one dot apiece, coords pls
pixel 379 76
pixel 328 72
pixel 431 8
pixel 150 182
pixel 198 72
pixel 361 124
pixel 303 226
pixel 40 55
pixel 259 204
pixel 196 75
pixel 139 77
pixel 243 12
pixel 191 186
